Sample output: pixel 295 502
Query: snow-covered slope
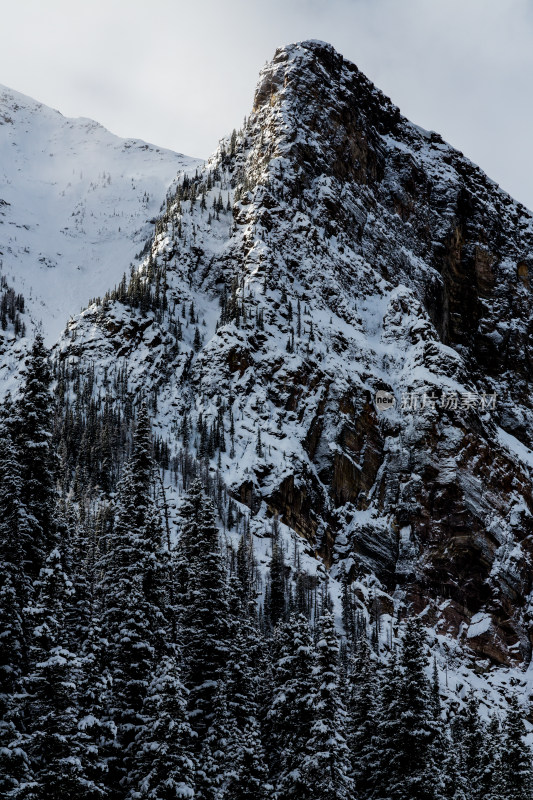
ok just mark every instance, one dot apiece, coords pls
pixel 339 250
pixel 75 206
pixel 330 249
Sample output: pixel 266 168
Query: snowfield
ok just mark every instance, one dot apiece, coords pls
pixel 76 203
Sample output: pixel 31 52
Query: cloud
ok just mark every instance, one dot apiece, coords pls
pixel 183 74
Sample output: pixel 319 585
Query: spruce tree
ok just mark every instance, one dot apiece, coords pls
pixel 31 428
pixel 188 550
pixel 203 604
pixel 517 754
pixel 245 565
pixel 26 512
pixel 96 730
pixel 251 779
pixel 53 741
pixel 15 589
pixel 388 727
pixel 491 761
pixel 412 773
pixel 290 715
pixel 217 762
pixel 362 715
pixel 14 762
pixel 326 764
pixel 132 658
pixel 449 781
pixel 15 525
pixel 77 545
pixel 276 604
pixel 470 750
pixel 242 671
pixel 133 597
pixel 165 765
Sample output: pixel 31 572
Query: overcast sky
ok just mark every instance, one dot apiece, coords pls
pixel 182 74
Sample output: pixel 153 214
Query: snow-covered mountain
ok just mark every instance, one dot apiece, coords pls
pixel 75 206
pixel 331 249
pixel 328 250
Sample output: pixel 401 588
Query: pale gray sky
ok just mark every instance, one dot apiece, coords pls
pixel 182 74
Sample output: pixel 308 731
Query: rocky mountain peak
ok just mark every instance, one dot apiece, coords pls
pixel 324 104
pixel 322 122
pixel 329 250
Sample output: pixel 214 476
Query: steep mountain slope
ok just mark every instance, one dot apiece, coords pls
pixel 75 206
pixel 328 250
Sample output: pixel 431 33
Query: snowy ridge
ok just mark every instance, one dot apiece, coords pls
pixel 75 205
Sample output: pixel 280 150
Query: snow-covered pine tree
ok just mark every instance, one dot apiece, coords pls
pixel 290 716
pixel 77 542
pixel 435 703
pixel 96 730
pixel 326 767
pixel 276 604
pixel 165 766
pixel 348 611
pixel 470 733
pixel 491 761
pixel 246 657
pixel 245 566
pixel 141 499
pixel 15 588
pixel 14 763
pixel 407 730
pixel 251 779
pixel 51 706
pixel 449 778
pixel 450 784
pixel 15 525
pixel 134 566
pixel 388 726
pixel 31 429
pixel 187 552
pixel 247 680
pixel 217 761
pixel 516 762
pixel 203 605
pixel 362 715
pixel 95 691
pixel 131 660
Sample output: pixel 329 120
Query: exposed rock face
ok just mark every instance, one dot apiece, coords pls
pixel 364 253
